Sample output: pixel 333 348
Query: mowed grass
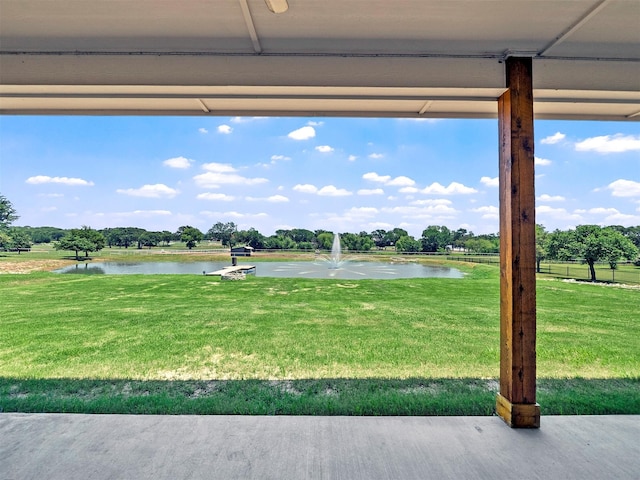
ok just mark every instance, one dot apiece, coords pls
pixel 193 344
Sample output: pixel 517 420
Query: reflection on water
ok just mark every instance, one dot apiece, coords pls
pixel 349 270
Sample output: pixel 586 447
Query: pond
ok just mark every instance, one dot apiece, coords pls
pixel 347 270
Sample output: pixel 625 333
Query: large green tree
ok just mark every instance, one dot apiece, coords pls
pixel 41 234
pixel 396 234
pixel 5 240
pixel 632 233
pixel 435 238
pixel 251 237
pixel 150 239
pixel 460 236
pixel 486 243
pixel 302 235
pixel 83 239
pixel 7 212
pixel 19 240
pixel 407 243
pixel 190 236
pixel 324 240
pixel 123 236
pixel 11 238
pixel 591 244
pixel 379 238
pixel 280 242
pixel 361 242
pixel 541 245
pixel 224 232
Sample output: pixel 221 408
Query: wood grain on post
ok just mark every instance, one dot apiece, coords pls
pixel 516 402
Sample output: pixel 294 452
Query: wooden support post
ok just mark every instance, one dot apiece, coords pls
pixel 516 402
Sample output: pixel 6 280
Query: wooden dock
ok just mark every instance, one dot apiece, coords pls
pixel 247 269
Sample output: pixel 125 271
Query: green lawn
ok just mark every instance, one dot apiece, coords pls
pixel 193 344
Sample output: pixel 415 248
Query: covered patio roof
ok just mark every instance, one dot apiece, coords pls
pixel 401 58
pixel 510 59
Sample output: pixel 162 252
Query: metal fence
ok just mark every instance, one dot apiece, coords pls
pixel 603 272
pixel 625 273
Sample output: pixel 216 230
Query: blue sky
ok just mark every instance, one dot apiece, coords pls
pixel 343 175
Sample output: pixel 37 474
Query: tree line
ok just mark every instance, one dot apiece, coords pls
pixel 587 243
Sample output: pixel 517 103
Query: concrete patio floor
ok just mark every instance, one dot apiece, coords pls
pixel 71 446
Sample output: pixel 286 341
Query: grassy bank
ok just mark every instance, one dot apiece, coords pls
pixel 193 344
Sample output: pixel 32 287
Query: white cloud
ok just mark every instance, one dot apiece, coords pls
pixel 305 188
pixel 624 188
pixel 490 182
pixel 246 119
pixel 362 212
pixel 612 216
pixel 610 143
pixel 271 199
pixel 374 177
pixel 408 190
pixel 72 182
pixel 224 129
pixel 277 199
pixel 622 219
pixel 315 124
pixel 488 212
pixel 159 190
pixel 432 201
pixel 218 167
pixel 603 211
pixel 454 188
pixel 401 181
pixel 331 191
pixel 178 162
pixel 380 226
pixel 215 180
pixel 557 213
pixel 550 198
pixel 203 130
pixel 141 213
pixel 370 191
pixel 352 158
pixel 324 149
pixel 422 212
pixel 543 162
pixel 553 139
pixel 304 133
pixel 51 195
pixel 275 158
pixel 376 156
pixel 219 197
pixel 233 214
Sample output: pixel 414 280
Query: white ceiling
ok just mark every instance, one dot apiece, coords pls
pixel 406 58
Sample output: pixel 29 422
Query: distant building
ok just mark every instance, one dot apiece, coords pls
pixel 243 251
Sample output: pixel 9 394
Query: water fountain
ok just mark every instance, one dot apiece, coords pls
pixel 336 253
